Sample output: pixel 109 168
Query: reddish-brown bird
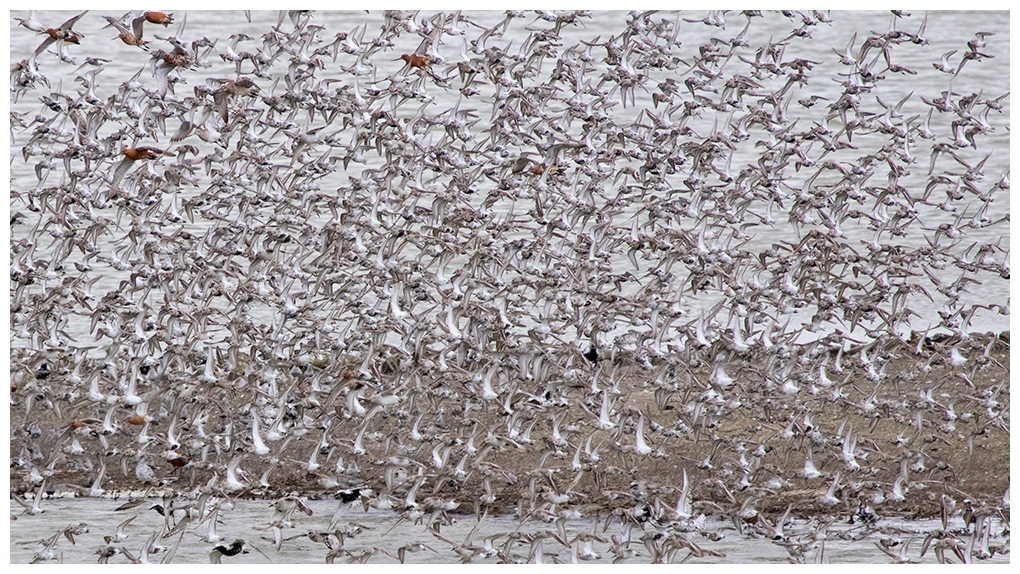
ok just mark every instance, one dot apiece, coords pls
pixel 416 61
pixel 141 153
pixel 154 17
pixel 540 168
pixel 132 37
pixel 64 33
pixel 131 155
pixel 230 89
pixel 175 459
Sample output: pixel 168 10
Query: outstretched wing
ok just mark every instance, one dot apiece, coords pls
pixel 70 23
pixel 116 24
pixel 136 26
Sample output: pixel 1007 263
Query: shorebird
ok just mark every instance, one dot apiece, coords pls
pixel 233 549
pixel 287 506
pixel 119 536
pixel 130 36
pixel 62 34
pixel 36 506
pixel 364 267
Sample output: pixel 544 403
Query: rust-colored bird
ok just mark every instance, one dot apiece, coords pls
pixel 154 17
pixel 141 153
pixel 416 61
pixel 230 89
pixel 132 37
pixel 540 168
pixel 138 18
pixel 176 459
pixel 164 62
pixel 131 155
pixel 177 58
pixel 63 34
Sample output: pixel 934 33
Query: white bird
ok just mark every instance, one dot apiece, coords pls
pixel 119 536
pixel 36 506
pixel 260 447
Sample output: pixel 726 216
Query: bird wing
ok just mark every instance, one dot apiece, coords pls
pixel 119 171
pixel 70 23
pixel 220 100
pixel 136 26
pixel 182 132
pixel 256 548
pixel 173 551
pixel 161 79
pixel 122 525
pixel 45 44
pixel 31 23
pixel 39 495
pixel 20 501
pixel 116 24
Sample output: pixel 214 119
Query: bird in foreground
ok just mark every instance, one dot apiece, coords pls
pixel 120 536
pixel 233 549
pixel 62 33
pixel 130 36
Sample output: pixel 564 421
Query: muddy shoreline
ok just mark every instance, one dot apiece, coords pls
pixel 956 448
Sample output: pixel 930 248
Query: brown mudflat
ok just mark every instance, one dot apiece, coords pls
pixel 896 422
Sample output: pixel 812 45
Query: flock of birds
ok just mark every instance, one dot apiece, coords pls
pixel 316 276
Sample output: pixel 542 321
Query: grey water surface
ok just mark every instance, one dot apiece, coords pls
pixel 250 520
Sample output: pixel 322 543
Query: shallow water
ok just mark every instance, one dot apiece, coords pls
pixel 250 519
pixel 102 520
